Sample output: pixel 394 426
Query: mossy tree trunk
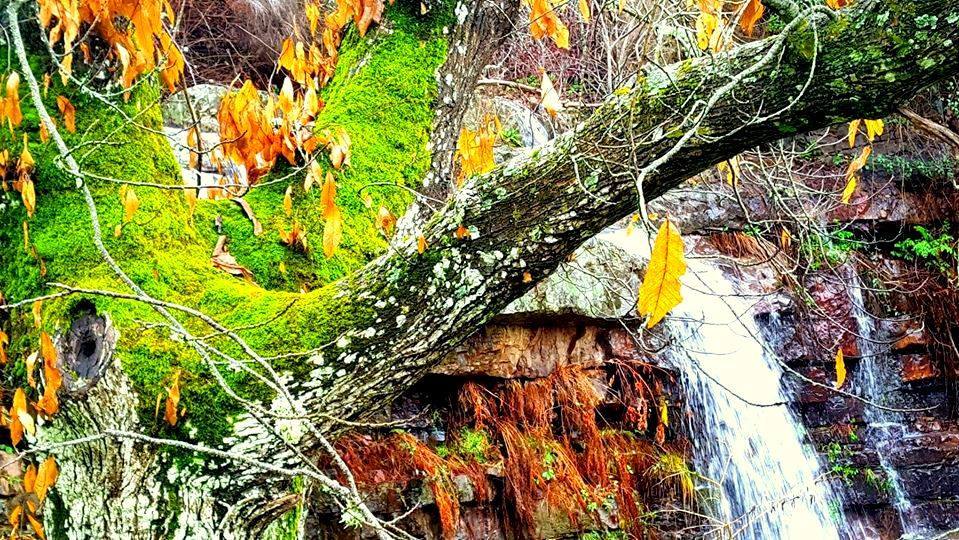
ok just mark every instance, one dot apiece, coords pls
pixel 367 336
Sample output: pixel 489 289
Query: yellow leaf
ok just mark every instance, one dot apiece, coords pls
pixel 20 419
pixel 874 129
pixel 853 132
pixel 420 248
pixel 785 239
pixel 130 203
pixel 286 96
pixel 663 411
pixel 660 291
pixel 282 267
pixel 852 173
pixel 37 526
pixel 288 201
pixel 752 12
pixel 707 26
pixel 332 232
pixel 549 97
pixel 26 162
pixel 190 196
pixel 849 190
pixel 474 149
pixel 840 369
pixel 584 10
pixel 837 4
pixel 328 196
pixel 37 313
pixel 29 195
pixel 69 113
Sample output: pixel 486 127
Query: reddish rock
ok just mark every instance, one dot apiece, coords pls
pixel 507 351
pixel 918 367
pixel 834 324
pixel 812 393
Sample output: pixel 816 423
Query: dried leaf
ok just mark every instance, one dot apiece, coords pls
pixel 173 399
pixel 385 220
pixel 549 97
pixel 752 12
pixel 4 341
pixel 420 248
pixel 660 291
pixel 852 173
pixel 28 194
pixel 69 113
pixel 36 525
pixel 37 313
pixel 12 101
pixel 328 196
pixel 46 478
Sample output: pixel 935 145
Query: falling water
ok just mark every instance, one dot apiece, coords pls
pixel 748 443
pixel 884 427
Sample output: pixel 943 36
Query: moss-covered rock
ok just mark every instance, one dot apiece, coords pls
pixel 381 95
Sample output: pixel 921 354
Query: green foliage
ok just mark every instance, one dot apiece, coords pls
pixel 937 250
pixel 839 458
pixel 604 535
pixel 828 249
pixel 921 169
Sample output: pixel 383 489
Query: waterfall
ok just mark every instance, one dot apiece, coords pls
pixel 768 483
pixel 746 438
pixel 884 427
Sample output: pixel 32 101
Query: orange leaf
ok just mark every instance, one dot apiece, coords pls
pixel 328 197
pixel 12 101
pixel 46 477
pixel 69 113
pixel 4 341
pixel 420 244
pixel 385 220
pixel 173 399
pixel 752 12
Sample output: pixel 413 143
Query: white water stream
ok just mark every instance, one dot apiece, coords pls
pixel 747 440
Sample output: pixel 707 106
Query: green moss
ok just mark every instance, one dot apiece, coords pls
pixel 382 96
